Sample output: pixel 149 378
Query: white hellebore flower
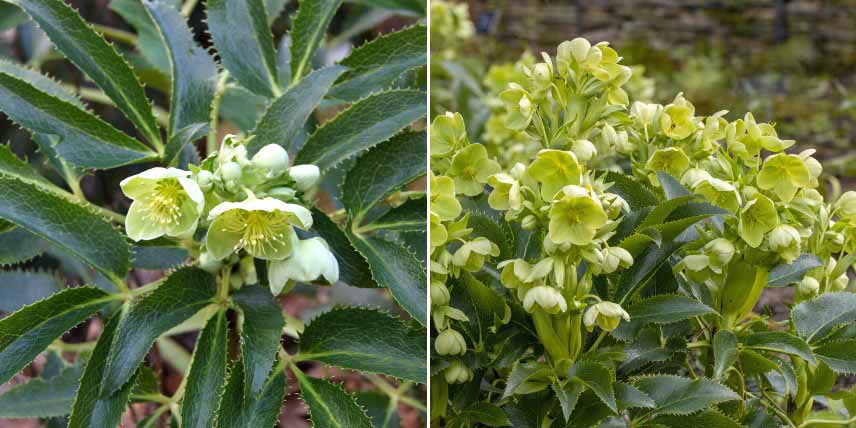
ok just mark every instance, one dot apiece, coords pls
pixel 272 158
pixel 305 176
pixel 548 298
pixel 310 259
pixel 605 315
pixel 166 202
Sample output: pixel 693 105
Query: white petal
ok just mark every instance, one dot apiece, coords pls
pixel 157 173
pixel 303 215
pixel 305 176
pixel 193 191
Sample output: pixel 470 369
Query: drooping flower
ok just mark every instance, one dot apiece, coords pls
pixel 757 217
pixel 606 315
pixel 785 240
pixel 785 174
pixel 671 160
pixel 450 342
pixel 506 193
pixel 471 168
pixel 576 217
pixel 519 106
pixel 720 193
pixel 262 227
pixel 545 297
pixel 310 259
pixel 472 254
pixel 448 134
pixel 457 372
pixel 846 204
pixel 554 169
pixel 166 202
pixel 444 204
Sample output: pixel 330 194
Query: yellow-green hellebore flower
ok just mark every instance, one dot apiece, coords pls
pixel 554 169
pixel 785 174
pixel 720 193
pixel 444 204
pixel 506 193
pixel 846 204
pixel 450 342
pixel 518 272
pixel 720 251
pixel 166 202
pixel 262 227
pixel 678 119
pixel 472 254
pixel 671 160
pixel 519 106
pixel 471 168
pixel 785 240
pixel 439 294
pixel 606 315
pixel 584 150
pixel 439 235
pixel 575 217
pixel 545 297
pixel 644 114
pixel 457 372
pixel 757 217
pixel 693 176
pixel 448 134
pixel 310 259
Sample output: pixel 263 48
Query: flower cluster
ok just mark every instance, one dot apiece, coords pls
pixel 242 208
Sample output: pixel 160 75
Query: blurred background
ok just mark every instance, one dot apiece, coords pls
pixel 49 269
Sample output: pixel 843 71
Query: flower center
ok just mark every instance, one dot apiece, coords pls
pixel 260 230
pixel 164 204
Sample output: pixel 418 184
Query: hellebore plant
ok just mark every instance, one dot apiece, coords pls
pixel 625 247
pixel 320 185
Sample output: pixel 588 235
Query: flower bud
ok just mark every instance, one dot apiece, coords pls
pixel 584 150
pixel 613 204
pixel 439 294
pixel 846 204
pixel 230 171
pixel 625 259
pixel 840 283
pixel 720 251
pixel 835 240
pixel 304 176
pixel 606 315
pixel 247 268
pixel 579 48
pixel 529 222
pixel 785 240
pixel 205 179
pixel 271 157
pixel 457 372
pixel 548 298
pixel 808 286
pixel 450 342
pixel 542 75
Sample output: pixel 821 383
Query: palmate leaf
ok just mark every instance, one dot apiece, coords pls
pixel 27 332
pixel 363 125
pixel 85 140
pixel 310 26
pixel 238 411
pixel 366 340
pixel 95 57
pixel 377 64
pixel 207 375
pixel 329 405
pixel 383 170
pixel 184 293
pixel 244 41
pixel 194 76
pixel 42 397
pixel 260 334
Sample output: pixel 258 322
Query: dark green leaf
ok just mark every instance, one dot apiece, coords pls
pixel 176 144
pixel 394 267
pixel 724 352
pixel 149 42
pixel 308 31
pixel 40 82
pixel 21 288
pixel 791 273
pixel 415 6
pixel 409 217
pixel 780 341
pixel 568 394
pixel 158 254
pixel 184 293
pixel 366 340
pixel 384 169
pixel 706 419
pixel 98 59
pixel 27 332
pixel 671 186
pixel 484 413
pixel 330 406
pixel 485 308
pixel 244 41
pixel 664 309
pixel 815 318
pixel 839 355
pixel 260 334
pixel 628 397
pixel 42 398
pixel 377 64
pixel 90 409
pixel 353 267
pixel 681 396
pixel 238 411
pixel 598 378
pixel 636 194
pixel 382 410
pixel 10 16
pixel 363 125
pixel 207 375
pixel 85 140
pixel 284 119
pixel 644 268
pixel 526 378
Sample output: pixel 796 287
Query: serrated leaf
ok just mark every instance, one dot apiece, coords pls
pixel 10 16
pixel 643 270
pixel 708 419
pixel 90 409
pixel 681 396
pixel 21 288
pixel 260 334
pixel 815 318
pixel 664 309
pixel 244 42
pixel 366 340
pixel 629 397
pixel 598 378
pixel 527 378
pixel 395 268
pixel 42 398
pixel 724 352
pixel 158 254
pixel 377 64
pixel 838 355
pixel 780 341
pixel 384 169
pixel 483 413
pixel 95 57
pixel 568 394
pixel 207 375
pixel 353 268
pixel 485 308
pixel 27 332
pixel 382 411
pixel 149 42
pixel 329 406
pixel 308 31
pixel 410 216
pixel 791 273
pixel 283 121
pixel 414 6
pixel 85 140
pixel 193 71
pixel 636 194
pixel 363 125
pixel 41 82
pixel 184 293
pixel 671 186
pixel 238 411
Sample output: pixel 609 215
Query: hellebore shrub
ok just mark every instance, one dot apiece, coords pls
pixel 604 271
pixel 233 229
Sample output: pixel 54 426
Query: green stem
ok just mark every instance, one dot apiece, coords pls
pixel 546 334
pixel 146 288
pixel 214 118
pixel 808 422
pixel 116 34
